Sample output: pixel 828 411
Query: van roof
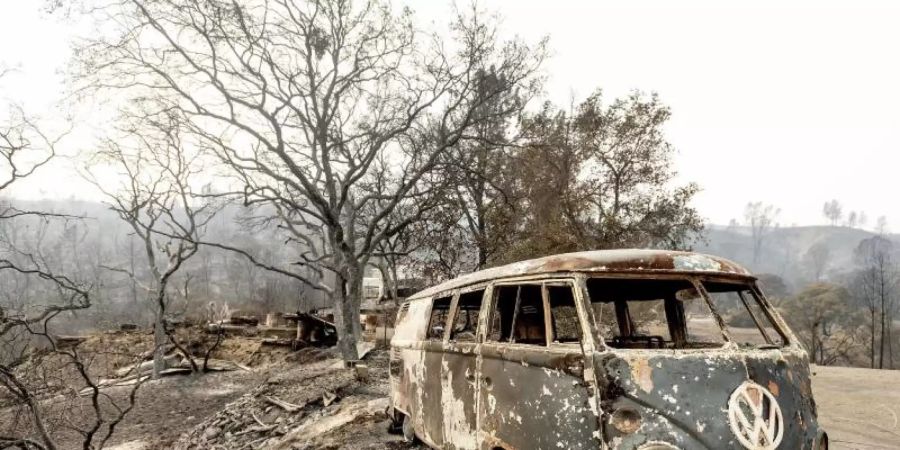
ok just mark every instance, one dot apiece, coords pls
pixel 605 261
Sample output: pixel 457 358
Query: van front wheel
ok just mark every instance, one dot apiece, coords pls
pixel 409 433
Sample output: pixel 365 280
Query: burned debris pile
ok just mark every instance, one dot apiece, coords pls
pixel 174 363
pixel 124 357
pixel 272 409
pixel 305 406
pixel 270 381
pixel 296 330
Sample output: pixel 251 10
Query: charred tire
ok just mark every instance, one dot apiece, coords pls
pixel 409 433
pixel 395 425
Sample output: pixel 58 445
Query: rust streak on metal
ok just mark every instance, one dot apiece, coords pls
pixel 603 261
pixel 643 374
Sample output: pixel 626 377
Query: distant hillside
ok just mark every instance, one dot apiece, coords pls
pixel 782 253
pixel 784 248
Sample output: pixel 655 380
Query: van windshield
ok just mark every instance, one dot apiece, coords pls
pixel 652 314
pixel 636 313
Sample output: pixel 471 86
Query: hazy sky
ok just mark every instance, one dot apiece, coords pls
pixel 790 102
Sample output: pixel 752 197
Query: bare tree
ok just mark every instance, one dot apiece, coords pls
pixel 761 219
pixel 833 211
pixel 817 259
pixel 863 219
pixel 158 202
pixel 881 225
pixel 326 108
pixel 874 285
pixel 28 346
pixel 852 219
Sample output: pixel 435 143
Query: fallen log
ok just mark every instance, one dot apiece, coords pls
pixel 169 361
pixel 229 329
pixel 149 353
pixel 243 367
pixel 289 407
pixel 260 428
pixel 278 342
pixel 107 383
pixel 69 341
pixel 244 320
pixel 222 365
pixel 175 371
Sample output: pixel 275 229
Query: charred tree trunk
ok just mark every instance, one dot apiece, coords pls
pixel 890 337
pixel 882 334
pixel 159 344
pixel 394 282
pixel 343 320
pixel 872 346
pixel 355 294
pixel 343 303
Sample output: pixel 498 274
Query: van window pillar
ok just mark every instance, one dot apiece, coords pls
pixel 548 320
pixel 676 320
pixel 512 325
pixel 712 308
pixel 762 328
pixel 623 317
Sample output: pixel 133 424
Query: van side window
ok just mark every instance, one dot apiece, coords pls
pixel 439 312
pixel 519 315
pixel 466 324
pixel 564 315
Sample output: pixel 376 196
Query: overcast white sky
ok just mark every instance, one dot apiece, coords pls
pixel 787 102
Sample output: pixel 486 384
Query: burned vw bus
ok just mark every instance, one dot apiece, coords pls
pixel 624 349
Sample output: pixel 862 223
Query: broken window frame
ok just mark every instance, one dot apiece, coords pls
pixel 602 342
pixel 777 324
pixel 494 295
pixel 697 281
pixel 548 311
pixel 454 312
pixel 428 327
pixel 771 313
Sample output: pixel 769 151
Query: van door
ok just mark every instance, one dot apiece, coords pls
pixel 458 372
pixel 429 422
pixel 532 388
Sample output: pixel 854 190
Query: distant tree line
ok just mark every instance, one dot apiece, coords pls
pixel 844 314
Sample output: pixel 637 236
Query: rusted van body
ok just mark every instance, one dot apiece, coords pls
pixel 623 349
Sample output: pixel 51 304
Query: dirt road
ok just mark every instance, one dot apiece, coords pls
pixel 859 407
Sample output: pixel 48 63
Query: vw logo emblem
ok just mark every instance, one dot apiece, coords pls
pixel 755 417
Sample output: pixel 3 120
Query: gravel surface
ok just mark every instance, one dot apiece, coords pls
pixel 858 407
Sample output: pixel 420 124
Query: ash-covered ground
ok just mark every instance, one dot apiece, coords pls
pixel 306 400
